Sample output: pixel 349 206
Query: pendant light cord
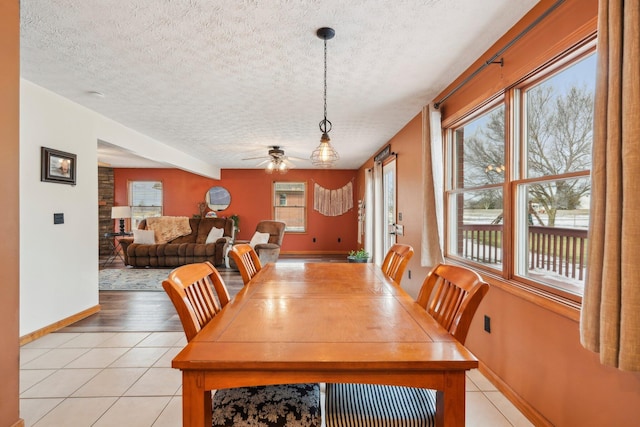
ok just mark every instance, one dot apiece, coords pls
pixel 325 125
pixel 325 80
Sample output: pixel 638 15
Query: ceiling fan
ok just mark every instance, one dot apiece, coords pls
pixel 275 160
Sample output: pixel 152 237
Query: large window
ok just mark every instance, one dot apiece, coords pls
pixel 145 198
pixel 519 182
pixel 290 205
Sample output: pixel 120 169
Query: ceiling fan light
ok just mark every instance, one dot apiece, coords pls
pixel 270 167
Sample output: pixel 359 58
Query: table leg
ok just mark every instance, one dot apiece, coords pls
pixel 450 403
pixel 196 401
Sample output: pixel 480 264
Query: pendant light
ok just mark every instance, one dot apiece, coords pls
pixel 325 155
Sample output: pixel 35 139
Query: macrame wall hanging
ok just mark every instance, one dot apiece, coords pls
pixel 333 202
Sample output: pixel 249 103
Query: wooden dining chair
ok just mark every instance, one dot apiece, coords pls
pixel 246 260
pixel 449 293
pixel 396 260
pixel 191 290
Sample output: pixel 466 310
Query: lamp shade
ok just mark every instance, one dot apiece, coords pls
pixel 121 212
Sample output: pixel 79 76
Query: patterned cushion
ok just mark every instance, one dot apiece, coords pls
pixel 379 405
pixel 291 405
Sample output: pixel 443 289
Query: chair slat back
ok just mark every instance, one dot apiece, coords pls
pixel 396 260
pixel 451 294
pixel 191 290
pixel 246 260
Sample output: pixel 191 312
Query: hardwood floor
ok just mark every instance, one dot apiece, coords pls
pixel 147 311
pixel 129 311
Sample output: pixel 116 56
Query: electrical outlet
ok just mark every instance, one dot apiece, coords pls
pixel 487 323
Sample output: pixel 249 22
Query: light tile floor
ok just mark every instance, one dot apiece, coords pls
pixel 125 379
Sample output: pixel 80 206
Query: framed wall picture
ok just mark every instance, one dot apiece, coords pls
pixel 57 166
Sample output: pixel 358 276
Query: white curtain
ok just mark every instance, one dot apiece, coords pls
pixel 378 215
pixel 433 188
pixel 368 211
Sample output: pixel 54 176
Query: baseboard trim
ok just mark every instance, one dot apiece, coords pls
pixel 19 423
pixel 59 325
pixel 527 410
pixel 314 253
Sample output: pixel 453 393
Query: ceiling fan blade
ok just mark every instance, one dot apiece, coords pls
pixel 298 159
pixel 254 158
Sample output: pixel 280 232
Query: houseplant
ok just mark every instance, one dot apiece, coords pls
pixel 236 222
pixel 358 256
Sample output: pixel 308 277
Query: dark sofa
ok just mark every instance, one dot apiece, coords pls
pixel 182 250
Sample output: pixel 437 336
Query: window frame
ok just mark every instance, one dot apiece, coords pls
pixel 454 187
pixel 512 98
pixel 275 204
pixel 130 196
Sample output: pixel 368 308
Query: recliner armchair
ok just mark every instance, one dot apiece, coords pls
pixel 270 251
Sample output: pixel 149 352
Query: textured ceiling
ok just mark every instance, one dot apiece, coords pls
pixel 224 80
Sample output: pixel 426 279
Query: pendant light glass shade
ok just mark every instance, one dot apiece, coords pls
pixel 276 166
pixel 325 155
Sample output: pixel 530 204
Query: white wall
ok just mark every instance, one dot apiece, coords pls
pixel 59 263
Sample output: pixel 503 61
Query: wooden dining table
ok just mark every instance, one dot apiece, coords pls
pixel 323 322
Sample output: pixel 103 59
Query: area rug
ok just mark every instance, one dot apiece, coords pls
pixel 150 279
pixel 128 279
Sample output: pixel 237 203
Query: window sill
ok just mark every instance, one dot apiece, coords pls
pixel 557 304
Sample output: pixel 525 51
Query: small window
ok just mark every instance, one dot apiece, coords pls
pixel 145 198
pixel 290 205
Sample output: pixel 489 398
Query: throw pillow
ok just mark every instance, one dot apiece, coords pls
pixel 214 235
pixel 144 237
pixel 259 238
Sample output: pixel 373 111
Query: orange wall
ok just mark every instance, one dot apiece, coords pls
pixel 10 224
pixel 407 144
pixel 251 199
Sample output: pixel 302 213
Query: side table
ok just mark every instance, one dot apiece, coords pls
pixel 114 244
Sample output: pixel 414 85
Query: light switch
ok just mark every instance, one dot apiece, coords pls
pixel 58 218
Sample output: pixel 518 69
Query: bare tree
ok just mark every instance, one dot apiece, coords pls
pixel 559 132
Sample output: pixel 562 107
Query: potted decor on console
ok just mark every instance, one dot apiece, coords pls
pixel 236 222
pixel 358 256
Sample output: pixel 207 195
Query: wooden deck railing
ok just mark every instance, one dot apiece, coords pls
pixel 482 243
pixel 558 250
pixel 561 250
